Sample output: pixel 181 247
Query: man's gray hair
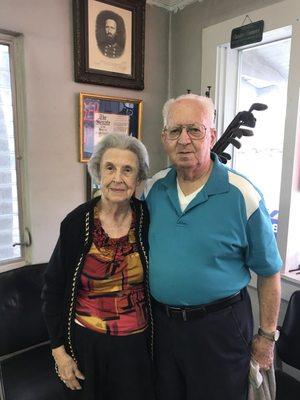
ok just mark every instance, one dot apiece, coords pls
pixel 205 102
pixel 122 142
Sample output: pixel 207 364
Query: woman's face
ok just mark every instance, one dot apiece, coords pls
pixel 119 172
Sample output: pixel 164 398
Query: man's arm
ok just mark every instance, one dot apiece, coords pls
pixel 269 295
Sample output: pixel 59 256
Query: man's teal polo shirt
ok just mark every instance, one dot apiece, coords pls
pixel 204 253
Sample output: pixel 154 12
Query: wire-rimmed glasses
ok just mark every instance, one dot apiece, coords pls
pixel 195 132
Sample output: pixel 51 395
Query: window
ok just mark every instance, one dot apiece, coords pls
pixel 228 71
pixel 259 73
pixel 263 78
pixel 12 217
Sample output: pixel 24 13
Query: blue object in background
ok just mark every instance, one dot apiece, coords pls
pixel 274 219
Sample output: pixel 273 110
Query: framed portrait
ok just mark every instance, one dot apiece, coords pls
pixel 99 115
pixel 109 38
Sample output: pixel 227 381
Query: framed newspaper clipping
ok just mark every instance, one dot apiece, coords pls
pixel 99 115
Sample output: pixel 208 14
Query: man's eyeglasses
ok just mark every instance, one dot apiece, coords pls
pixel 195 132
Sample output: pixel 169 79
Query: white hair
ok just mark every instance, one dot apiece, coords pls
pixel 123 142
pixel 205 102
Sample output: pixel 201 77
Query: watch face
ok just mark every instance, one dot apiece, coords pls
pixel 276 335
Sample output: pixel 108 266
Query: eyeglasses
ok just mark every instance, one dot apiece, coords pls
pixel 195 132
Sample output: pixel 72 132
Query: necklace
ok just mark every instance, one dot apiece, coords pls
pixel 115 228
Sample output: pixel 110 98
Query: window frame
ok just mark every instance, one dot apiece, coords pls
pixel 15 41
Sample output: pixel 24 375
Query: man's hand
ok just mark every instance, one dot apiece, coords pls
pixel 263 351
pixel 67 368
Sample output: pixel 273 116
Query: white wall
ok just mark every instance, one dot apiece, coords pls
pixel 56 180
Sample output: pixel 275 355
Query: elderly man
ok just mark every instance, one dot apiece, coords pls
pixel 209 227
pixel 111 48
pixel 110 34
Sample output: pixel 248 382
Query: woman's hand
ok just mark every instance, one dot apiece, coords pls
pixel 67 368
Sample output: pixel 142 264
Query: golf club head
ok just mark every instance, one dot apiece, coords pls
pixel 258 107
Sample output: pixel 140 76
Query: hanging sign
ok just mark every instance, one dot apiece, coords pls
pixel 247 34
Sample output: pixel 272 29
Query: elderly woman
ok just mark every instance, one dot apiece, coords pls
pixel 95 300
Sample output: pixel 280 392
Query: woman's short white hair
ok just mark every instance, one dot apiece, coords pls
pixel 123 142
pixel 205 102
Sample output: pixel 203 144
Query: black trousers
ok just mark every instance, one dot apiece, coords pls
pixel 115 367
pixel 205 358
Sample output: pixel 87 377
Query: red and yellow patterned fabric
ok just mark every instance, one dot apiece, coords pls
pixel 111 296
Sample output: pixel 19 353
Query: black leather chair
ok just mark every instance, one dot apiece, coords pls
pixel 26 365
pixel 288 351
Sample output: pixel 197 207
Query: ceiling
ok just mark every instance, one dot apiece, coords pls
pixel 172 5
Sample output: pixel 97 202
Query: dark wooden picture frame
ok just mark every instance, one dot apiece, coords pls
pixel 109 38
pixel 103 114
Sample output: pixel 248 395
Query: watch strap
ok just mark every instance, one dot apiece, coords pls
pixel 268 335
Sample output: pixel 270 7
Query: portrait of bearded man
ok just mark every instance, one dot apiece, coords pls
pixel 110 34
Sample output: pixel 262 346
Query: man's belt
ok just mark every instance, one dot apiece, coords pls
pixel 188 313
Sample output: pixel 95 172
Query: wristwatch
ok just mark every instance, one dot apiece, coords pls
pixel 273 336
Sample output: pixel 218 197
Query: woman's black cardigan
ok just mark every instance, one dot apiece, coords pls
pixel 62 274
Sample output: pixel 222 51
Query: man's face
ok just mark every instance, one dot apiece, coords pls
pixel 110 28
pixel 185 152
